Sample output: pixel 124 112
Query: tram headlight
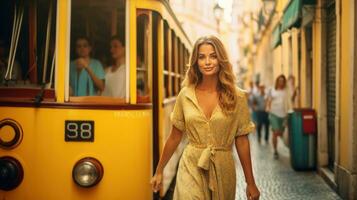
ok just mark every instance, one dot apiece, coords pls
pixel 87 172
pixel 11 173
pixel 10 134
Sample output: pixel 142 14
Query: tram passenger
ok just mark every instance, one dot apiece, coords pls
pixel 86 73
pixel 214 114
pixel 16 70
pixel 116 73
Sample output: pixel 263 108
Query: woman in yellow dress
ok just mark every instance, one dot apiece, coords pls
pixel 214 114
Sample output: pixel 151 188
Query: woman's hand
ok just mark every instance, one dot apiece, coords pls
pixel 81 63
pixel 252 192
pixel 156 182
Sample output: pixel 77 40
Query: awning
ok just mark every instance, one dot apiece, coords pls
pixel 292 15
pixel 309 2
pixel 308 14
pixel 276 37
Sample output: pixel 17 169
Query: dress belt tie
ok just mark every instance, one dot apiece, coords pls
pixel 207 163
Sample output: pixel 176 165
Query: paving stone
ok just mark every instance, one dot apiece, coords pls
pixel 277 180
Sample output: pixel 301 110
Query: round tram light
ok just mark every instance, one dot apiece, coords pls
pixel 87 172
pixel 11 173
pixel 10 134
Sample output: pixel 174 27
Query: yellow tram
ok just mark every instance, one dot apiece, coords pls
pixel 55 144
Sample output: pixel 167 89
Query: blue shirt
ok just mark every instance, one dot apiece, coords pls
pixel 260 101
pixel 81 83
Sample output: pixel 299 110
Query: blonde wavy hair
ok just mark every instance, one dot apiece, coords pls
pixel 226 79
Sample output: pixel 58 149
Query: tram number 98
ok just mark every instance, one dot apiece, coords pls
pixel 79 131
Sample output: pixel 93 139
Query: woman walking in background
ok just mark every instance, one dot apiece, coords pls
pixel 278 105
pixel 214 114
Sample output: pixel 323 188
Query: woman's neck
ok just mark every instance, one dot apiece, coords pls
pixel 120 61
pixel 208 83
pixel 86 58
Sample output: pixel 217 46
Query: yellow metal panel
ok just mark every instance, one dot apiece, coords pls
pixel 61 48
pixel 132 53
pixel 160 88
pixel 120 145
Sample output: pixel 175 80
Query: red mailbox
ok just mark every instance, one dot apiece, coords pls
pixel 308 121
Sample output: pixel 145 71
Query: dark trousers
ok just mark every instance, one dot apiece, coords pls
pixel 262 120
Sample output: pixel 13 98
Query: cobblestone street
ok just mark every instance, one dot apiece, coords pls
pixel 277 180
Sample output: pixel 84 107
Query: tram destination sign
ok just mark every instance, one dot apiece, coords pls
pixel 79 131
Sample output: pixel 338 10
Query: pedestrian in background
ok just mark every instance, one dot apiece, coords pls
pixel 253 91
pixel 260 100
pixel 278 105
pixel 214 114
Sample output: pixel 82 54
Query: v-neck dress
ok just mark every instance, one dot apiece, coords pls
pixel 206 170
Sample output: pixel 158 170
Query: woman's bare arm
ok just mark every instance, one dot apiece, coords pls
pixel 243 150
pixel 268 104
pixel 99 83
pixel 170 146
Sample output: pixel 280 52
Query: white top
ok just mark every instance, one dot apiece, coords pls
pixel 279 102
pixel 115 82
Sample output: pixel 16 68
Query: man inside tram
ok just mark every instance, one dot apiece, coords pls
pixel 86 73
pixel 15 70
pixel 115 74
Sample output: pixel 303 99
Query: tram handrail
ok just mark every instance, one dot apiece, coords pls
pixel 48 35
pixel 16 29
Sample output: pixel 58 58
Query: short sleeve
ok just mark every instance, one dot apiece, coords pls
pixel 99 71
pixel 177 116
pixel 245 125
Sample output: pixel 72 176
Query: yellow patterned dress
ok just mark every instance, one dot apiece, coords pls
pixel 206 170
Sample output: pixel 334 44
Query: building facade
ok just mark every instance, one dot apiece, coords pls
pixel 198 19
pixel 315 41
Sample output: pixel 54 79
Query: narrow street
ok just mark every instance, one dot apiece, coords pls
pixel 277 180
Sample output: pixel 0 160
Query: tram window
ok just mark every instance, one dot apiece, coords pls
pixel 178 78
pixel 173 63
pixel 179 64
pixel 166 59
pixel 187 58
pixel 143 53
pixel 27 43
pixel 98 65
pixel 176 67
pixel 184 63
